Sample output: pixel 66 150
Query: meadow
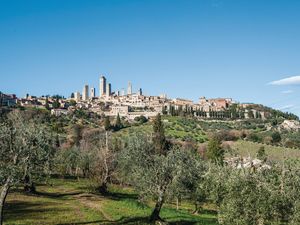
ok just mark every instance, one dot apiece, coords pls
pixel 69 201
pixel 274 153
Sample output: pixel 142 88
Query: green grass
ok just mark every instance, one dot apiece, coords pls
pixel 57 204
pixel 67 201
pixel 177 128
pixel 275 153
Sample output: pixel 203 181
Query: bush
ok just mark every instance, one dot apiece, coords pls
pixel 255 137
pixel 141 119
pixel 276 137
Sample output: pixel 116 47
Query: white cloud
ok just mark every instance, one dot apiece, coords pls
pixel 287 81
pixel 287 92
pixel 286 107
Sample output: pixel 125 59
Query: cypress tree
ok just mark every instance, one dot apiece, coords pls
pixel 159 139
pixel 215 153
pixel 118 124
pixel 107 124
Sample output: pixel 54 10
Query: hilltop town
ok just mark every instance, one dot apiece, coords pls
pixel 131 105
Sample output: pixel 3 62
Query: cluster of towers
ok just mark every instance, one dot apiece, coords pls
pixel 104 91
pixel 105 88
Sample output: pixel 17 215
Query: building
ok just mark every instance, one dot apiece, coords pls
pixel 108 89
pixel 85 93
pixel 121 110
pixel 59 112
pixel 129 88
pixel 77 96
pixel 182 102
pixel 102 89
pixel 140 92
pixel 93 92
pixel 202 100
pixel 7 100
pixel 220 103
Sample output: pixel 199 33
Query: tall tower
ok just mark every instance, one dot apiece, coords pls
pixel 77 96
pixel 102 89
pixel 85 93
pixel 122 92
pixel 93 92
pixel 108 89
pixel 140 92
pixel 129 89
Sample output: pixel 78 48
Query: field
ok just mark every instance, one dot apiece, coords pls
pixel 274 153
pixel 68 201
pixel 176 128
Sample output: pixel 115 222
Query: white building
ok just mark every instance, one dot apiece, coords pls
pixel 58 112
pixel 85 93
pixel 129 89
pixel 108 90
pixel 121 110
pixel 93 92
pixel 77 96
pixel 102 88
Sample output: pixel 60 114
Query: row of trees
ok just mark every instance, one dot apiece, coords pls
pixel 256 197
pixel 157 169
pixel 26 154
pixel 166 173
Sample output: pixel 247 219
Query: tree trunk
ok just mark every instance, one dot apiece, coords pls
pixel 197 209
pixel 29 185
pixel 3 195
pixel 155 214
pixel 103 188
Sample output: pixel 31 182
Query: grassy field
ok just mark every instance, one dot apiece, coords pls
pixel 66 201
pixel 276 153
pixel 177 128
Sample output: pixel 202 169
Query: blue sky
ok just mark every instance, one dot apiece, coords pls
pixel 187 48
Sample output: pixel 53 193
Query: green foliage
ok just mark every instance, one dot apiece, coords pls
pixel 274 153
pixel 68 161
pixel 261 154
pixel 107 125
pixel 255 137
pixel 26 153
pixel 118 124
pixel 47 104
pixel 215 153
pixel 159 139
pixel 158 176
pixel 59 203
pixel 276 137
pixel 72 103
pixel 76 134
pixel 56 103
pixel 141 119
pixel 26 148
pixel 246 201
pixel 263 196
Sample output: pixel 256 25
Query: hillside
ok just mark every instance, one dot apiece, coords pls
pixel 70 201
pixel 246 136
pixel 93 177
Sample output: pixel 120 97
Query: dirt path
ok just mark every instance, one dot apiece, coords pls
pixel 92 201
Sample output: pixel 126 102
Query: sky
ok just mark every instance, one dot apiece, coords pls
pixel 245 49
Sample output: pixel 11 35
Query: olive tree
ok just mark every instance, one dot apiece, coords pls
pixel 104 162
pixel 93 158
pixel 156 176
pixel 257 197
pixel 26 151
